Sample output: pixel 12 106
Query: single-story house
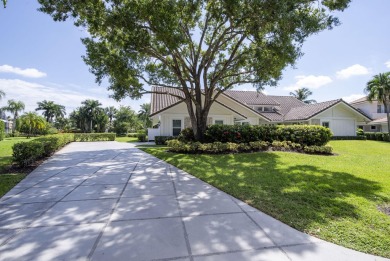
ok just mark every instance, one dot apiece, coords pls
pixel 376 111
pixel 169 113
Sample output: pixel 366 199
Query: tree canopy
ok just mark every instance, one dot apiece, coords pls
pixel 379 89
pixel 201 47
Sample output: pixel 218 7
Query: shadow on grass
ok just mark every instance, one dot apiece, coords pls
pixel 298 195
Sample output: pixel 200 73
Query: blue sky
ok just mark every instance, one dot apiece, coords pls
pixel 41 59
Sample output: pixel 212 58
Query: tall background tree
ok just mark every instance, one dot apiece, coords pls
pixel 126 120
pixel 51 110
pixel 303 94
pixel 202 48
pixel 110 112
pixel 2 114
pixel 14 107
pixel 143 115
pixel 379 89
pixel 89 117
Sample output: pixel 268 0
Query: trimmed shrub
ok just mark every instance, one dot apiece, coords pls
pixel 186 135
pixel 132 135
pixel 26 153
pixel 259 145
pixel 306 135
pixel 327 150
pixel 2 130
pixel 141 137
pixel 377 136
pixel 162 140
pixel 94 137
pixel 349 138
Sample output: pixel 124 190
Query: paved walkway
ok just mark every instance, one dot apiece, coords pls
pixel 111 201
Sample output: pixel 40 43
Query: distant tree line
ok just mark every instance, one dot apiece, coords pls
pixel 89 117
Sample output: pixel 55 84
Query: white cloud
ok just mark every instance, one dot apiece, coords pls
pixel 353 70
pixel 310 81
pixel 387 64
pixel 29 72
pixel 353 97
pixel 31 93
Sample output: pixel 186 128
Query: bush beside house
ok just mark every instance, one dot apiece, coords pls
pixel 238 138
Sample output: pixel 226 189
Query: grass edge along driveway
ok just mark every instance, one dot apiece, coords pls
pixel 335 198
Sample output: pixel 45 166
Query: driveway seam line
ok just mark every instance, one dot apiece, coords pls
pixel 261 228
pixel 112 212
pixel 186 237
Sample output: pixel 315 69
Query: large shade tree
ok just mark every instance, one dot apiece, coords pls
pixel 200 47
pixel 378 89
pixel 303 94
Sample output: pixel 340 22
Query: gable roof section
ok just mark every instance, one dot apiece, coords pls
pixel 161 102
pixel 310 110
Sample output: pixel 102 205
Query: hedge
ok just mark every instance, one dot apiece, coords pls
pixel 2 130
pixel 349 138
pixel 26 153
pixel 231 147
pixel 377 136
pixel 306 135
pixel 94 137
pixel 162 140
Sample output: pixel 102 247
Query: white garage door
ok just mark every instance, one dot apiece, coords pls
pixel 344 127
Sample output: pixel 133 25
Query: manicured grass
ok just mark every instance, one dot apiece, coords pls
pixel 6 151
pixel 126 139
pixel 336 198
pixel 9 180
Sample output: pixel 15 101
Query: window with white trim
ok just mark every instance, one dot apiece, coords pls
pixel 373 127
pixel 325 124
pixel 176 127
pixel 218 122
pixel 379 108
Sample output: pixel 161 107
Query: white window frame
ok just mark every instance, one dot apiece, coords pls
pixel 328 122
pixel 373 127
pixel 181 125
pixel 220 120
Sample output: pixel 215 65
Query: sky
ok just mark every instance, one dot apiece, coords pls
pixel 41 59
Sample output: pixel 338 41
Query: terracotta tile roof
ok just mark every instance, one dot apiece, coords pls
pixel 287 108
pixel 161 102
pixel 251 97
pixel 307 111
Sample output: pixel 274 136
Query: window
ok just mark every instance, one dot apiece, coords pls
pixel 267 109
pixel 245 123
pixel 176 127
pixel 218 122
pixel 360 127
pixel 379 109
pixel 373 127
pixel 325 124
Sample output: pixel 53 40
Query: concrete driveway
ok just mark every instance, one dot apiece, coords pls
pixel 111 201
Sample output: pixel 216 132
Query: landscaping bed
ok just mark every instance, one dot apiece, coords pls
pixel 341 199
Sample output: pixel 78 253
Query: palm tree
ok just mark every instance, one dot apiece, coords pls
pixel 31 123
pixel 379 89
pixel 14 107
pixel 302 95
pixel 110 112
pixel 51 110
pixel 91 110
pixel 143 115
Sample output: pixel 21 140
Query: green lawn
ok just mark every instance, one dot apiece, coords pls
pixel 8 179
pixel 126 139
pixel 336 198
